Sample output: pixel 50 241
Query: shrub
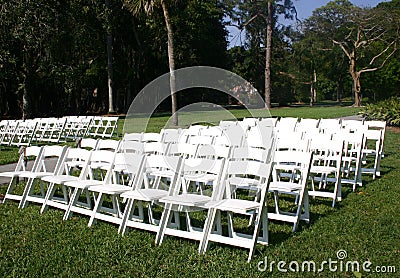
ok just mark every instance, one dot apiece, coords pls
pixel 387 110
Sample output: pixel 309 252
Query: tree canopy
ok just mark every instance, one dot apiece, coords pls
pixel 56 55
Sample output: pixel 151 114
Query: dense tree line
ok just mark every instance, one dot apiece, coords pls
pixel 61 57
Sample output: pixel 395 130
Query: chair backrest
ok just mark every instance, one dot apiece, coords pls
pixel 232 136
pixel 155 148
pixel 88 143
pixel 200 140
pixel 202 167
pixel 259 137
pixel 298 163
pixel 133 137
pixel 227 124
pixel 104 157
pixel 213 131
pixel 268 122
pixel 151 137
pixel 213 151
pixel 287 123
pixel 170 135
pixel 131 146
pixel 30 152
pixel 249 153
pixel 293 141
pixel 182 149
pixel 129 163
pixel 51 153
pixel 170 165
pixel 72 155
pixel 329 126
pixel 306 125
pixel 108 144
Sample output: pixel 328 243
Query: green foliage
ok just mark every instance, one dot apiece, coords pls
pixel 386 110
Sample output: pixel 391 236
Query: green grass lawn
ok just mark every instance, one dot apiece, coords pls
pixel 365 224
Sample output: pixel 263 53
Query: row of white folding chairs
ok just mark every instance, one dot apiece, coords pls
pixel 176 171
pixel 23 132
pixel 102 126
pixel 90 126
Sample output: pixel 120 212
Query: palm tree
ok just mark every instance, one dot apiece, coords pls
pixel 136 7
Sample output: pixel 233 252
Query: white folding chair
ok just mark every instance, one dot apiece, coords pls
pixel 81 186
pixel 64 174
pixel 326 168
pixel 352 157
pixel 372 147
pixel 233 204
pixel 378 125
pixel 24 133
pixel 166 172
pixel 188 199
pixel 23 166
pixel 110 188
pixel 49 165
pixel 296 165
pixel 9 131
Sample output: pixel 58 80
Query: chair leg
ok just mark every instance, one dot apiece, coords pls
pixel 207 230
pixel 126 216
pixel 72 202
pixel 261 217
pixel 49 195
pixel 27 192
pixel 165 218
pixel 97 206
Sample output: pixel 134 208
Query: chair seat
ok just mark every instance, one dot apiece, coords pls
pixel 83 184
pixel 59 179
pixel 161 173
pixel 13 174
pixel 145 194
pixel 235 205
pixel 322 169
pixel 284 186
pixel 99 165
pixel 75 164
pixel 186 200
pixel 205 178
pixel 243 181
pixel 110 188
pixel 35 175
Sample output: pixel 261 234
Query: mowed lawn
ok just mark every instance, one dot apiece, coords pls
pixel 365 224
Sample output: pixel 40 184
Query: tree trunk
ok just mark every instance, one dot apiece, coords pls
pixel 357 90
pixel 171 61
pixel 355 75
pixel 109 67
pixel 268 50
pixel 313 90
